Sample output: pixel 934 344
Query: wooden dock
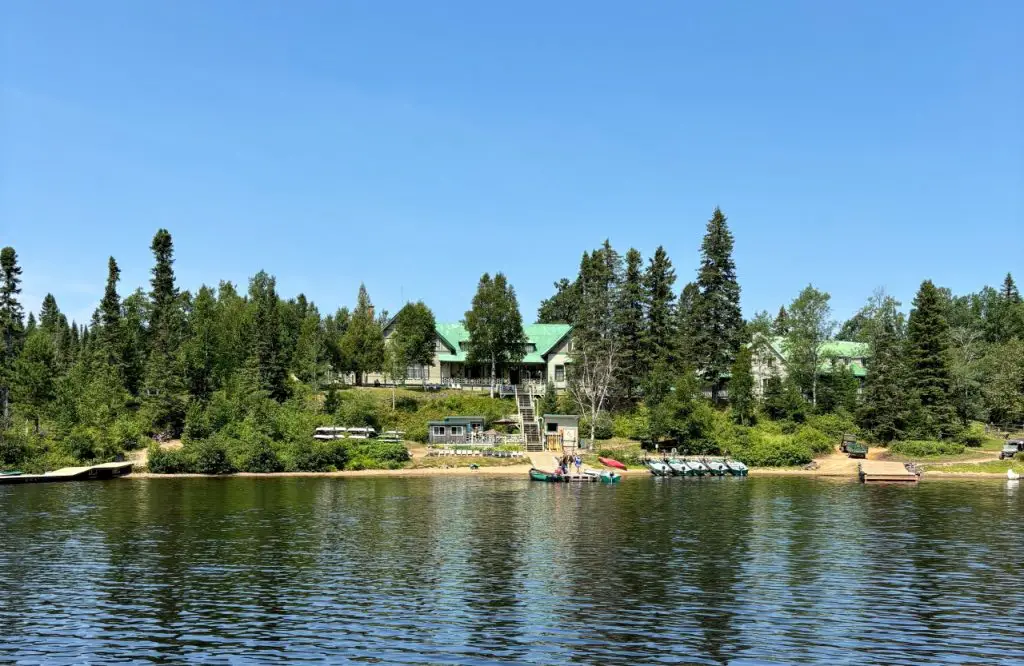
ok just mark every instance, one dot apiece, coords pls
pixel 885 471
pixel 91 473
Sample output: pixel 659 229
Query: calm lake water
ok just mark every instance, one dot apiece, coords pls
pixel 482 570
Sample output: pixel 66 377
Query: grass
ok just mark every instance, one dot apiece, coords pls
pixel 989 466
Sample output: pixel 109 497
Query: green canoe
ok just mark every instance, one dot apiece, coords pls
pixel 540 475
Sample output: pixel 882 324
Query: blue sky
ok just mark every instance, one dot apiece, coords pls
pixel 415 145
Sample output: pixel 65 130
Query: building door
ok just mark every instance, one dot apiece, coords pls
pixel 513 375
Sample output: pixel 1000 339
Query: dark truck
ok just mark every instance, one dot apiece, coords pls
pixel 1011 447
pixel 851 447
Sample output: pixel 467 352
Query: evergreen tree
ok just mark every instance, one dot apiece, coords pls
pixel 265 357
pixel 549 401
pixel 31 325
pixel 164 392
pixel 363 343
pixel 1004 390
pixel 630 323
pixel 741 388
pixel 309 361
pixel 686 327
pixel 49 314
pixel 110 331
pixel 134 313
pixel 11 326
pixel 495 326
pixel 928 353
pixel 562 307
pixel 883 410
pixel 717 321
pixel 659 300
pixel 200 348
pixel 781 325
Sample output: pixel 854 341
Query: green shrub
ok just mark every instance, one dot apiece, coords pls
pixel 127 434
pixel 209 457
pixel 381 452
pixel 925 448
pixel 814 439
pixel 14 447
pixel 319 456
pixel 82 443
pixel 417 433
pixel 168 461
pixel 774 451
pixel 407 404
pixel 634 425
pixel 197 424
pixel 1019 457
pixel 257 455
pixel 973 435
pixel 834 425
pixel 359 409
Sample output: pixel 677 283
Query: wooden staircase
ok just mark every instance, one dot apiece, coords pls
pixel 528 422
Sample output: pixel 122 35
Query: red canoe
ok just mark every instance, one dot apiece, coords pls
pixel 611 462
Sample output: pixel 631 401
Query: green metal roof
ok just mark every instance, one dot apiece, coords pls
pixel 844 349
pixel 543 336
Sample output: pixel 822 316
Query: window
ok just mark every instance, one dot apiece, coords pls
pixel 552 427
pixel 437 431
pixel 530 347
pixel 458 431
pixel 559 373
pixel 464 346
pixel 415 372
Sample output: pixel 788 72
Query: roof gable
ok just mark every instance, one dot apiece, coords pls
pixel 543 337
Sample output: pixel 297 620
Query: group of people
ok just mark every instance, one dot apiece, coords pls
pixel 566 460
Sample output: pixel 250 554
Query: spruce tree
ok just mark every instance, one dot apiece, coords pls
pixel 659 301
pixel 685 331
pixel 112 348
pixel 49 314
pixel 265 357
pixel 630 323
pixel 883 409
pixel 34 375
pixel 11 326
pixel 781 326
pixel 717 320
pixel 928 353
pixel 562 307
pixel 164 392
pixel 200 348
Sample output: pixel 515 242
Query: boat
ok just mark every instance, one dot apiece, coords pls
pixel 716 467
pixel 679 467
pixel 699 468
pixel 1012 475
pixel 608 476
pixel 659 468
pixel 541 475
pixel 611 462
pixel 736 468
pixel 13 472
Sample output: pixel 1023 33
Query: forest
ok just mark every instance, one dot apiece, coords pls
pixel 242 377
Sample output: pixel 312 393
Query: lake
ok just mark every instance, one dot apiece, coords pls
pixel 501 570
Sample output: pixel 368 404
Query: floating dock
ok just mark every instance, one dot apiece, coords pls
pixel 91 473
pixel 885 471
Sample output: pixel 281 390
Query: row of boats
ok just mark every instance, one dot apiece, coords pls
pixel 696 467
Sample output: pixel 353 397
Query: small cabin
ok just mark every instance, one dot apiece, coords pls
pixel 454 429
pixel 561 431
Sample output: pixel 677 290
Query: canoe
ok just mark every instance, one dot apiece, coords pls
pixel 541 475
pixel 611 462
pixel 13 472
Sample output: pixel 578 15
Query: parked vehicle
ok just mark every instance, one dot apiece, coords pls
pixel 1011 447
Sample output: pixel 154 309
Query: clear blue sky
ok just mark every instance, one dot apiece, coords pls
pixel 415 145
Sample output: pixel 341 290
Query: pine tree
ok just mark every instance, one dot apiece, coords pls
pixel 495 326
pixel 883 409
pixel 11 326
pixel 717 320
pixel 659 303
pixel 928 353
pixel 741 388
pixel 630 323
pixel 363 342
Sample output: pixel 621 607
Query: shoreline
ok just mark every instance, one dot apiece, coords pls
pixel 523 470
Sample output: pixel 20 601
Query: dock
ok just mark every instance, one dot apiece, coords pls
pixel 110 470
pixel 885 471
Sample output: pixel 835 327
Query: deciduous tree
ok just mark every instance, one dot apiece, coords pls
pixel 495 326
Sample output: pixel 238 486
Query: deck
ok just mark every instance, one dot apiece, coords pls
pixel 93 472
pixel 885 471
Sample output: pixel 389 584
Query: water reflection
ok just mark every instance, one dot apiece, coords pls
pixel 484 570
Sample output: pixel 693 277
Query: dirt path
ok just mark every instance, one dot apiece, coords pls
pixel 140 457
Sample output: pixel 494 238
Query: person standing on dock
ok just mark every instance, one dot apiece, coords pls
pixel 578 462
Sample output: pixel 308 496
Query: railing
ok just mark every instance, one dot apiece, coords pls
pixel 477 440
